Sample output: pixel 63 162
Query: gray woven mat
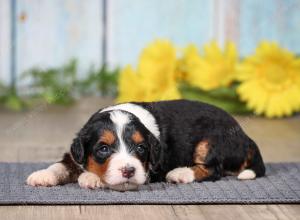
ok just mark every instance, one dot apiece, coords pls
pixel 281 185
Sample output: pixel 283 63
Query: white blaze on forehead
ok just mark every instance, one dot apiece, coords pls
pixel 142 114
pixel 120 119
pixel 123 158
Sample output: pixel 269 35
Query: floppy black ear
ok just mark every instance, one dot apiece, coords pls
pixel 156 153
pixel 77 150
pixel 78 147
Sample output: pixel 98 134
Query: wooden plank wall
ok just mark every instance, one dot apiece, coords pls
pixel 274 20
pixel 51 32
pixel 4 41
pixel 132 24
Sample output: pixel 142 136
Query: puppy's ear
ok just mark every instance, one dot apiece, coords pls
pixel 77 150
pixel 156 153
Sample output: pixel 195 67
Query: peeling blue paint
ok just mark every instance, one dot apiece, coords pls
pixel 50 33
pixel 272 20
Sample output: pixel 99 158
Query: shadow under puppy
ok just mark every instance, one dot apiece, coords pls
pixel 126 145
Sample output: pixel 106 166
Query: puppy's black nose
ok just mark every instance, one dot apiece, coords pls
pixel 128 172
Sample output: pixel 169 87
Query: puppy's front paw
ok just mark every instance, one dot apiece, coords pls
pixel 89 180
pixel 42 178
pixel 181 175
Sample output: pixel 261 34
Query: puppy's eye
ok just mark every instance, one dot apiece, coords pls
pixel 140 148
pixel 103 151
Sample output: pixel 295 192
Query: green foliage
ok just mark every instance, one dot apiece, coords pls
pixel 55 85
pixel 61 85
pixel 225 98
pixel 103 80
pixel 10 100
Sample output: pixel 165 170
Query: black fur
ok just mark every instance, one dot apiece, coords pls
pixel 85 142
pixel 182 125
pixel 73 168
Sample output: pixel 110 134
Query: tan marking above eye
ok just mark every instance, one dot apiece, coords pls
pixel 96 168
pixel 137 137
pixel 107 137
pixel 201 151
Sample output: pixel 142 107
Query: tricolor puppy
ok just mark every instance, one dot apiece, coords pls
pixel 126 145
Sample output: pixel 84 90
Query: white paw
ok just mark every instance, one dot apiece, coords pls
pixel 247 175
pixel 181 175
pixel 42 178
pixel 89 180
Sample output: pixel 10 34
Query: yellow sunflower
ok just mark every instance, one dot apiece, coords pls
pixel 216 68
pixel 156 76
pixel 130 88
pixel 270 81
pixel 157 69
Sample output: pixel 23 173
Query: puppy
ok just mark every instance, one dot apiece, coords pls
pixel 126 145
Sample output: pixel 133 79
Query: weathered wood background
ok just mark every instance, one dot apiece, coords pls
pixel 50 32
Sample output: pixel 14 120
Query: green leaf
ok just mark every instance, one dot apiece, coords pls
pixel 14 103
pixel 55 85
pixel 61 85
pixel 224 98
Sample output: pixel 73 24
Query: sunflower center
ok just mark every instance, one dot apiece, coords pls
pixel 275 74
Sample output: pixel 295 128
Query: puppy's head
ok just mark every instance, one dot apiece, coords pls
pixel 117 147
